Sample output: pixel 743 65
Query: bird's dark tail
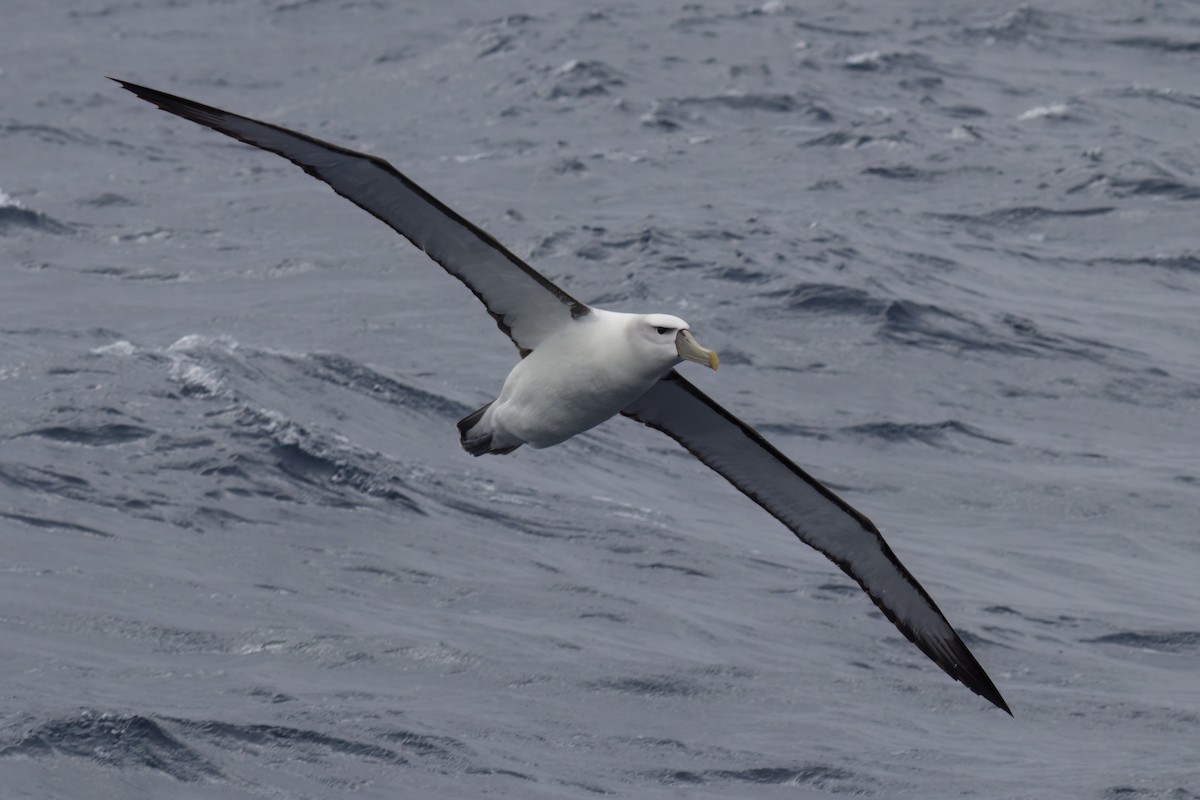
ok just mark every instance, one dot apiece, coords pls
pixel 479 443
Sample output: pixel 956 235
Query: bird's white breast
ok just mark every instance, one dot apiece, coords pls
pixel 573 381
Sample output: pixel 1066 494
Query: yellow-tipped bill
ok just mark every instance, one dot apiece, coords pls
pixel 690 350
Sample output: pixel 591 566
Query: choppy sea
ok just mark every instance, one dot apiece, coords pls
pixel 950 255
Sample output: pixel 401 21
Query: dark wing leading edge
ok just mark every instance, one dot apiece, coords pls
pixel 815 514
pixel 526 305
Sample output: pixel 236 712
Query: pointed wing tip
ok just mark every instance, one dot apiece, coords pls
pixel 146 93
pixel 983 686
pixel 133 87
pixel 944 647
pixel 960 664
pixel 992 695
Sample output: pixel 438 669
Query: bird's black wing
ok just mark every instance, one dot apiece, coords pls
pixel 525 304
pixel 815 514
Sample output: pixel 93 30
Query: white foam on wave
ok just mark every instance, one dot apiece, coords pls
pixel 117 348
pixel 194 342
pixel 868 58
pixel 190 373
pixel 9 202
pixel 195 376
pixel 1054 111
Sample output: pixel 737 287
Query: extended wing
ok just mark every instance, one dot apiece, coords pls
pixel 815 514
pixel 526 305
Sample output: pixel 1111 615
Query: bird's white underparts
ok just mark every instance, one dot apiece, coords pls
pixel 585 373
pixel 581 365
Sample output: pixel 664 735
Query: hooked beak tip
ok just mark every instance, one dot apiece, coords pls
pixel 690 350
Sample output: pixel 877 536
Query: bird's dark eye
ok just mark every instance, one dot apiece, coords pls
pixel 662 330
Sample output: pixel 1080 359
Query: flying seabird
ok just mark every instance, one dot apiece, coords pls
pixel 581 365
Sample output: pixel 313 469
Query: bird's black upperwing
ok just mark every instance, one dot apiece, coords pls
pixel 525 304
pixel 812 512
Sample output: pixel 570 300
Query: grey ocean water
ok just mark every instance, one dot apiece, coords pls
pixel 949 253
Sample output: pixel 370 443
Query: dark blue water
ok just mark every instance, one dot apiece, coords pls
pixel 949 255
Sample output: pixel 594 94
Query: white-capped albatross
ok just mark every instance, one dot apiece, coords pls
pixel 581 365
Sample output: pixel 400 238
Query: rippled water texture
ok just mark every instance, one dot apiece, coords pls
pixel 949 254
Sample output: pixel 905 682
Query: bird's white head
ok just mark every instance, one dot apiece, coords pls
pixel 668 339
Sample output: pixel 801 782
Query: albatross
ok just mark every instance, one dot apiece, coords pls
pixel 581 365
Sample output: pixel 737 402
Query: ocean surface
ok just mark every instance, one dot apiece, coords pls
pixel 949 253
